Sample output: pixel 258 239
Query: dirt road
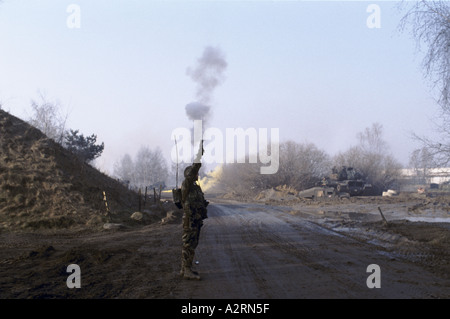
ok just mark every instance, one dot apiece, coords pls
pixel 255 251
pixel 245 251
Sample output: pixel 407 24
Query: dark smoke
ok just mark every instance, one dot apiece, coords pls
pixel 197 111
pixel 208 74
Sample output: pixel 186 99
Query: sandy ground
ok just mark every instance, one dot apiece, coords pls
pixel 247 250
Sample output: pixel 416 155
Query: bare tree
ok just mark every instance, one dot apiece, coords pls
pixel 421 161
pixel 147 169
pixel 438 151
pixel 301 166
pixel 48 118
pixel 372 158
pixel 371 140
pixel 430 25
pixel 124 170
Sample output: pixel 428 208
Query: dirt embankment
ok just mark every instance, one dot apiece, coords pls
pixel 52 214
pixel 44 186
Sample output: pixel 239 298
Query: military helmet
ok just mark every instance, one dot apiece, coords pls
pixel 187 171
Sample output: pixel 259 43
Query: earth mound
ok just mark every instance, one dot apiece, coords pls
pixel 43 185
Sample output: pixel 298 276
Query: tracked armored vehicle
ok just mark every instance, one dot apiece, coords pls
pixel 346 180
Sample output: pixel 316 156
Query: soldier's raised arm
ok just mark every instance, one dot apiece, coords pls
pixel 199 155
pixel 190 173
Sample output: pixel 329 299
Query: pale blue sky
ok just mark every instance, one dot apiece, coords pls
pixel 312 69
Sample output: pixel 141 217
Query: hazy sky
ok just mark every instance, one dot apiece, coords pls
pixel 313 69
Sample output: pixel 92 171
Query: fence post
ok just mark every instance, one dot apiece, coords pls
pixel 145 196
pixel 384 219
pixel 108 213
pixel 139 199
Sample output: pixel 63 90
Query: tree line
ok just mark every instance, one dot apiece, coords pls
pixel 148 169
pixel 301 165
pixel 304 165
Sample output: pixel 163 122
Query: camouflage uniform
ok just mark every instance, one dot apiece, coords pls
pixel 194 206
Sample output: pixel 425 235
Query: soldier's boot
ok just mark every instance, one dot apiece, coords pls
pixel 187 264
pixel 189 274
pixel 183 268
pixel 186 269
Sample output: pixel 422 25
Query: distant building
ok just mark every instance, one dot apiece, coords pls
pixel 426 176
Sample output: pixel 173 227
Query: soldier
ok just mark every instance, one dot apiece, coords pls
pixel 194 206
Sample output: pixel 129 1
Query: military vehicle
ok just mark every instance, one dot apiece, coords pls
pixel 346 180
pixel 343 182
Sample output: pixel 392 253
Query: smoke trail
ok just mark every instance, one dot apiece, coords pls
pixel 207 74
pixel 197 111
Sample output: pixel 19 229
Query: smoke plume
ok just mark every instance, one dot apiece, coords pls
pixel 197 111
pixel 207 75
